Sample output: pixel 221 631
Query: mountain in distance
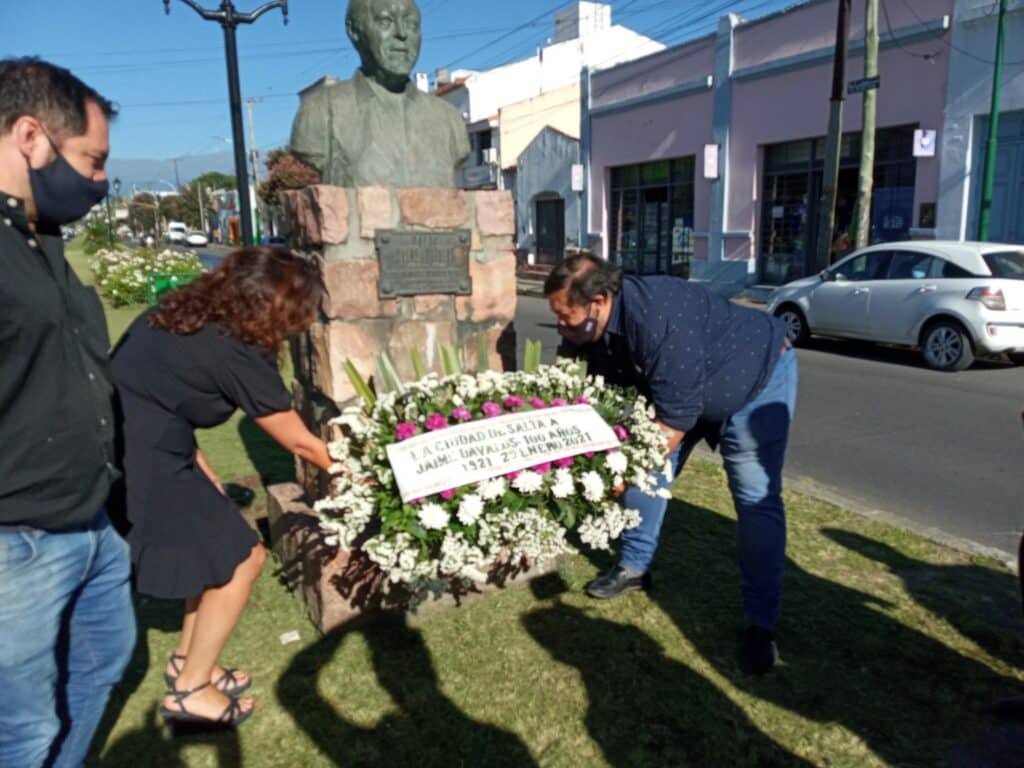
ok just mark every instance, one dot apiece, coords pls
pixel 147 174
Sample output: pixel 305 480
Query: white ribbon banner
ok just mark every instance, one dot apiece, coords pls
pixel 480 450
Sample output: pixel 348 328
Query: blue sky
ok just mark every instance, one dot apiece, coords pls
pixel 168 73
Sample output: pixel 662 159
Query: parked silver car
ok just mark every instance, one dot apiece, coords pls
pixel 952 300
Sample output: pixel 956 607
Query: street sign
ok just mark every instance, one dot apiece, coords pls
pixel 867 84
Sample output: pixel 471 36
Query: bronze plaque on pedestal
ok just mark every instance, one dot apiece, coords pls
pixel 418 263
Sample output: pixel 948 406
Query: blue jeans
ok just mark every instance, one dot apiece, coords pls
pixel 753 445
pixel 67 631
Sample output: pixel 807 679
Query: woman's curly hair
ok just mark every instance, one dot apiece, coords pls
pixel 258 295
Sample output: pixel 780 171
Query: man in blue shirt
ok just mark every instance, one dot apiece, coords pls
pixel 713 371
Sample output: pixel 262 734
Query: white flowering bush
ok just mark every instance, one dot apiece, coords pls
pixel 457 537
pixel 120 276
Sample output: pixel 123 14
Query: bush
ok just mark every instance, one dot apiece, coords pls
pixel 121 275
pixel 96 237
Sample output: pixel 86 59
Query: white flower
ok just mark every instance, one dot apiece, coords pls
pixel 433 517
pixel 470 509
pixel 528 482
pixel 493 489
pixel 593 487
pixel 616 462
pixel 563 486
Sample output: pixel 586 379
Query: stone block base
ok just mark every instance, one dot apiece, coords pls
pixel 338 586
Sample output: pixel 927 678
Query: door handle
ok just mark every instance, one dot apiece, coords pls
pixel 927 289
pixel 859 291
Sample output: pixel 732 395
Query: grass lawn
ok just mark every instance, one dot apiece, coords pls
pixel 892 647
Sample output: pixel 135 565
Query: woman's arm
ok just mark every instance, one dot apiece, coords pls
pixel 288 430
pixel 208 471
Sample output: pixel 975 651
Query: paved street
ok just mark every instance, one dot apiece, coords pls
pixel 943 450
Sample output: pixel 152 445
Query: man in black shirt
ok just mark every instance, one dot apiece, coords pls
pixel 712 370
pixel 64 571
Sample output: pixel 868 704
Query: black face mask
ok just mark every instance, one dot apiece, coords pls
pixel 63 195
pixel 581 333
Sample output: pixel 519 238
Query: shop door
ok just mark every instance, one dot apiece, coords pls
pixel 656 234
pixel 550 231
pixel 1008 197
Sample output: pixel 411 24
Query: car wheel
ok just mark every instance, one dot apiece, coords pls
pixel 1017 358
pixel 796 324
pixel 946 346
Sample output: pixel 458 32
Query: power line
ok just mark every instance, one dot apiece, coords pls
pixel 526 25
pixel 948 43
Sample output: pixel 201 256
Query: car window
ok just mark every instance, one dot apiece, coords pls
pixel 1008 265
pixel 946 269
pixel 866 266
pixel 910 265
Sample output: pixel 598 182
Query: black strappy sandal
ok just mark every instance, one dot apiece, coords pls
pixel 228 683
pixel 232 716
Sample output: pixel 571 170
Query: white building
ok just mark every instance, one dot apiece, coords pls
pixel 584 37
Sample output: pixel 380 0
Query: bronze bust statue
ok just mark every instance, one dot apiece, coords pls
pixel 378 129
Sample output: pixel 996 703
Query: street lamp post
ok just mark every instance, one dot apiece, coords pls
pixel 229 18
pixel 116 186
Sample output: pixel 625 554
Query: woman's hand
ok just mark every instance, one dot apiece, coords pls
pixel 674 437
pixel 289 431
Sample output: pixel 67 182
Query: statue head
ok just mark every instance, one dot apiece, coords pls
pixel 387 35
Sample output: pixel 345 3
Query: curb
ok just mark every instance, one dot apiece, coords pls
pixel 816 490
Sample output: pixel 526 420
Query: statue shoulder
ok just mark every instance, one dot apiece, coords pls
pixel 342 91
pixel 441 109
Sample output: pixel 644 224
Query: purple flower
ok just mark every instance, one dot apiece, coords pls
pixel 590 454
pixel 543 469
pixel 491 409
pixel 558 402
pixel 581 401
pixel 415 502
pixel 565 463
pixel 512 476
pixel 405 430
pixel 448 495
pixel 621 432
pixel 462 414
pixel 436 422
pixel 514 401
pixel 537 403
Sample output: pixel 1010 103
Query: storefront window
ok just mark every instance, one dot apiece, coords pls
pixel 793 179
pixel 652 217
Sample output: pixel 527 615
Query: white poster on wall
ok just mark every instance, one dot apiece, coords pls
pixel 924 143
pixel 711 161
pixel 471 453
pixel 577 177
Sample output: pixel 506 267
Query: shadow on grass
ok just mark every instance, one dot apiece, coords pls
pixel 907 696
pixel 427 730
pixel 954 593
pixel 274 463
pixel 151 745
pixel 646 709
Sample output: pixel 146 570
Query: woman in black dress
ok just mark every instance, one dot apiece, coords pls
pixel 208 349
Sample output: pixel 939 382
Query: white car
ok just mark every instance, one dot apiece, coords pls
pixel 952 300
pixel 196 239
pixel 176 232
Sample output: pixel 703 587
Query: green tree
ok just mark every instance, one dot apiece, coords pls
pixel 96 236
pixel 179 208
pixel 142 213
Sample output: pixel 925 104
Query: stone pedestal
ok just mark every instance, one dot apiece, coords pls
pixel 340 226
pixel 338 586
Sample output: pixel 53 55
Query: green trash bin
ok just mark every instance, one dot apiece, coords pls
pixel 158 283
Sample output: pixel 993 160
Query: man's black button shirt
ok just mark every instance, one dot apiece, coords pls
pixel 56 414
pixel 698 357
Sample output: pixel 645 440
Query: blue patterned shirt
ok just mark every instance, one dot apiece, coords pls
pixel 697 356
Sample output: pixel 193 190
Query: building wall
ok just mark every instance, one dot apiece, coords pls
pixel 520 123
pixel 545 167
pixel 969 97
pixel 773 86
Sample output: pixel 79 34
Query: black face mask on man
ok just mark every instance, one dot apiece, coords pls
pixel 61 194
pixel 581 333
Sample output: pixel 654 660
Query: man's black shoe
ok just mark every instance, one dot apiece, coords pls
pixel 618 581
pixel 758 652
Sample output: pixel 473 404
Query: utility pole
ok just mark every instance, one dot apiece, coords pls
pixel 229 18
pixel 202 208
pixel 255 156
pixel 862 222
pixel 833 149
pixel 991 149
